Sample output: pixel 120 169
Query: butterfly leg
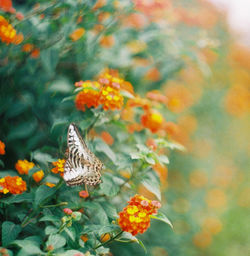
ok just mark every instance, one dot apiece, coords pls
pixel 86 188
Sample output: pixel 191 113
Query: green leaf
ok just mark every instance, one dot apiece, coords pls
pixel 108 187
pixel 43 193
pixel 51 218
pixel 10 232
pixel 142 245
pixel 22 130
pixel 56 240
pixel 4 173
pixel 136 155
pixel 41 157
pixel 50 230
pixel 1 163
pixel 152 183
pixel 25 197
pixel 101 146
pixel 163 159
pixel 149 160
pixel 97 211
pixel 29 247
pixel 49 59
pixel 129 238
pixel 61 85
pixel 162 217
pixel 71 233
pixel 109 209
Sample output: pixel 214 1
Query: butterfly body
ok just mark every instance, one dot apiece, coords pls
pixel 81 166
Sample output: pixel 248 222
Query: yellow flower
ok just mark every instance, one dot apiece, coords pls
pixel 38 176
pixel 23 166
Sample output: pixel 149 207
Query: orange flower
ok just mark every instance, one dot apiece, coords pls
pixel 107 41
pixel 153 75
pixel 139 102
pixel 179 98
pixel 35 53
pixel 51 185
pixel 7 32
pixel 153 120
pixel 111 77
pixel 77 34
pixel 27 47
pixel 156 96
pixel 135 218
pixel 6 5
pixel 84 194
pixel 38 176
pixel 59 166
pixel 99 4
pixel 84 238
pixel 110 98
pixel 237 100
pixel 2 148
pixel 18 39
pixel 13 185
pixel 89 96
pixel 23 166
pixel 151 143
pixel 134 127
pixel 107 138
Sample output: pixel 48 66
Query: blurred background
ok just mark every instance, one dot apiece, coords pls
pixel 196 53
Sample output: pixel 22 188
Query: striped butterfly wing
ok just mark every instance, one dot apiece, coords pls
pixel 81 166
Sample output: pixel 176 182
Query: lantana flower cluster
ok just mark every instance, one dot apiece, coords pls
pixel 2 148
pixel 8 33
pixel 135 218
pixel 106 92
pixel 59 166
pixel 24 166
pixel 13 185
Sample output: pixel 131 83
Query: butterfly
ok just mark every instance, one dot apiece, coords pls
pixel 81 165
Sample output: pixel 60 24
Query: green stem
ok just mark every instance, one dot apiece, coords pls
pixel 54 205
pixel 110 240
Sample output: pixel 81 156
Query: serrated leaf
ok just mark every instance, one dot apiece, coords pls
pixel 108 229
pixel 42 194
pixel 51 218
pixel 25 197
pixel 149 160
pixel 136 155
pixel 56 240
pixel 163 159
pixel 101 146
pixel 108 187
pixel 28 247
pixel 50 230
pixel 162 217
pixel 10 232
pixel 71 233
pixel 152 183
pixel 41 157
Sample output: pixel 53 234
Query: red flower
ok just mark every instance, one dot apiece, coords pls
pixel 67 211
pixel 83 194
pixel 13 185
pixel 153 120
pixel 135 218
